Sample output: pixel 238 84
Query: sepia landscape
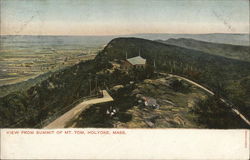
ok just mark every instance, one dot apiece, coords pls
pixel 141 79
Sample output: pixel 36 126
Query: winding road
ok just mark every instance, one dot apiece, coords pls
pixel 73 114
pixel 212 93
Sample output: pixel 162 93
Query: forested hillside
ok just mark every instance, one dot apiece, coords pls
pixel 30 106
pixel 225 50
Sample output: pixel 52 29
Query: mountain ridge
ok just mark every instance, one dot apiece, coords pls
pixel 171 46
pixel 225 50
pixel 220 74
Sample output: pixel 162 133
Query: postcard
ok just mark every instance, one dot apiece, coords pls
pixel 134 79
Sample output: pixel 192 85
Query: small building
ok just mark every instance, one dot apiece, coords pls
pixel 135 62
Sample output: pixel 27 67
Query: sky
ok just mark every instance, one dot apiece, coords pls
pixel 119 17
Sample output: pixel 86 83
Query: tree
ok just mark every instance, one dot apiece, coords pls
pixel 213 113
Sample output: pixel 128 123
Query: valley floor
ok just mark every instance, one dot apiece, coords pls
pixel 21 74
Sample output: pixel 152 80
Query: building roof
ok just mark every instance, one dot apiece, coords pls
pixel 137 60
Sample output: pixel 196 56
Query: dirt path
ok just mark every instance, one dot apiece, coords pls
pixel 62 121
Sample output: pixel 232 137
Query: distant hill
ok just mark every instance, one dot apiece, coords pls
pixel 225 50
pixel 235 39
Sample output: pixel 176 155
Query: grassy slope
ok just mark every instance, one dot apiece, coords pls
pixel 226 50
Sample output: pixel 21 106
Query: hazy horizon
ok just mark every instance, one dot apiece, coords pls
pixel 111 17
pixel 117 34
